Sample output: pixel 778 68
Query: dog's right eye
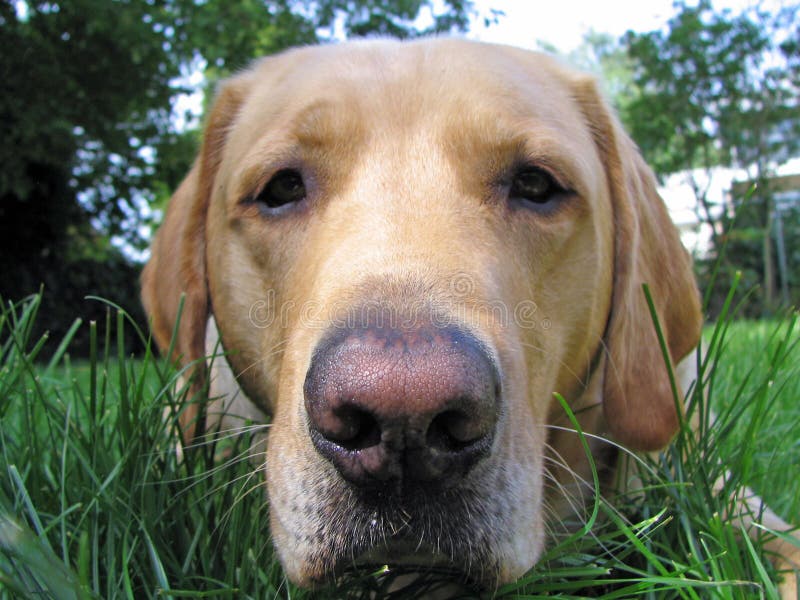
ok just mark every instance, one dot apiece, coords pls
pixel 534 186
pixel 284 189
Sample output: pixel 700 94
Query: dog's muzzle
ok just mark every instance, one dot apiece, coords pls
pixel 402 408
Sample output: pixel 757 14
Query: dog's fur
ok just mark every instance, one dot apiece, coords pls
pixel 407 151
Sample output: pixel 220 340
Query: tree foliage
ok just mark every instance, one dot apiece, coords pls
pixel 712 82
pixel 718 89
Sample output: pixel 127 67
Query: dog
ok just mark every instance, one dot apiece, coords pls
pixel 406 249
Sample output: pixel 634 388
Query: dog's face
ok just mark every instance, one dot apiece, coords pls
pixel 408 249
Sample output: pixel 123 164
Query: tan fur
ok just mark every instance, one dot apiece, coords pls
pixel 639 402
pixel 405 149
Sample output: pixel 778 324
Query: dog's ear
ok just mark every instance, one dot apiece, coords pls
pixel 177 264
pixel 638 400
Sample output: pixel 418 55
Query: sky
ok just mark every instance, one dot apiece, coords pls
pixel 563 23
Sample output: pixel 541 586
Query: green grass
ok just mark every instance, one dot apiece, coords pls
pixel 757 392
pixel 94 502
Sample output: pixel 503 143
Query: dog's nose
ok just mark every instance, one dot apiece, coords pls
pixel 389 406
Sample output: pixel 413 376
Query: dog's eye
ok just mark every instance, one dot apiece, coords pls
pixel 533 185
pixel 286 187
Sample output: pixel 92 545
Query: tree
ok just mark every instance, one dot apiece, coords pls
pixel 90 144
pixel 718 89
pixel 85 88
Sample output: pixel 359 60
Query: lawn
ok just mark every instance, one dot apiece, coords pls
pixel 94 502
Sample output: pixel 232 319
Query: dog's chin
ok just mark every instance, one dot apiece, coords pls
pixel 453 534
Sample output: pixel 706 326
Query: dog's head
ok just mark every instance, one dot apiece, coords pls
pixel 408 249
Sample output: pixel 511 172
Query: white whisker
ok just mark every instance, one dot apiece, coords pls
pixel 577 377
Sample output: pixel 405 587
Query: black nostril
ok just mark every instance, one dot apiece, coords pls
pixel 358 429
pixel 453 431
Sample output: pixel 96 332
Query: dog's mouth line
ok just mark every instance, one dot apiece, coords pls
pixel 403 556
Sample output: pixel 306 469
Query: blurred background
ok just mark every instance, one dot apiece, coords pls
pixel 102 103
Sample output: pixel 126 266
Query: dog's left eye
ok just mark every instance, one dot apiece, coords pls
pixel 534 185
pixel 285 188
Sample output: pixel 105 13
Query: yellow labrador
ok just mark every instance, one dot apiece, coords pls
pixel 407 248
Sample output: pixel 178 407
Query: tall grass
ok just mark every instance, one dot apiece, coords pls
pixel 96 503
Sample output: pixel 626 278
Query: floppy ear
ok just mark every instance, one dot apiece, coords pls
pixel 637 398
pixel 177 263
